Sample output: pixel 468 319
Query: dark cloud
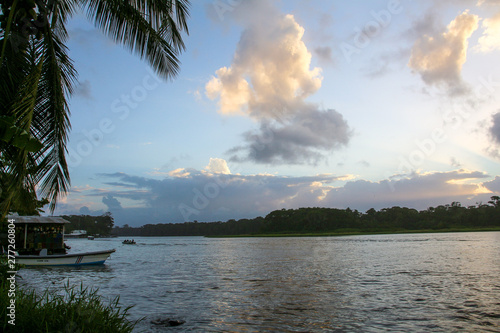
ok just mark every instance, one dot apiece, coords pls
pixel 493 185
pixel 83 89
pixel 495 128
pixel 300 140
pixel 324 54
pixel 428 24
pixel 112 203
pixel 85 210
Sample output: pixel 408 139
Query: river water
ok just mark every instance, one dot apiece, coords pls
pixel 403 283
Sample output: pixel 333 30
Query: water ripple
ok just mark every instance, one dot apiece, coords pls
pixel 401 283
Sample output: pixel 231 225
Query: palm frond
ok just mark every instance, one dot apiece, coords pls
pixel 37 76
pixel 19 103
pixel 151 29
pixel 52 124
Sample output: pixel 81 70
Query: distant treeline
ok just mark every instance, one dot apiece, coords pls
pixel 331 220
pixel 95 225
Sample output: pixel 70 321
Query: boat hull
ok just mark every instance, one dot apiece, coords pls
pixel 76 259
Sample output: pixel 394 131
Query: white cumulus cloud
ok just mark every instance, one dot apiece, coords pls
pixel 269 79
pixel 490 40
pixel 439 58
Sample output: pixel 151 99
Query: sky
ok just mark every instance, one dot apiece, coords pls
pixel 289 104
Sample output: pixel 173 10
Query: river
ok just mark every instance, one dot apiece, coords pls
pixel 404 283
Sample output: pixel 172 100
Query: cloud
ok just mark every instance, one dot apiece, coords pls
pixel 495 128
pixel 420 190
pixel 300 140
pixel 490 40
pixel 488 2
pixel 439 58
pixel 493 148
pixel 190 194
pixel 112 203
pixel 85 210
pixel 455 163
pixel 427 24
pixel 206 196
pixel 218 165
pixel 268 80
pixel 270 71
pixel 324 54
pixel 494 185
pixel 83 89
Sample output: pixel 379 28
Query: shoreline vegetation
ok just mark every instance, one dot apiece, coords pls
pixel 75 309
pixel 336 222
pixel 340 233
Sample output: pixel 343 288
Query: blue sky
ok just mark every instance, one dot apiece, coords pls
pixel 287 104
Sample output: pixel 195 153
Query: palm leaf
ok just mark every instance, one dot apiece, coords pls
pixel 151 29
pixel 51 126
pixel 36 76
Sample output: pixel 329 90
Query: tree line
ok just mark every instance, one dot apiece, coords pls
pixel 94 225
pixel 453 216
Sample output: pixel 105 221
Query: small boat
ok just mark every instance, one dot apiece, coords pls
pixel 90 237
pixel 75 259
pixel 76 234
pixel 128 241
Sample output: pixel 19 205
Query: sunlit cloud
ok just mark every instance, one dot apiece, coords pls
pixel 190 194
pixel 490 40
pixel 218 165
pixel 488 2
pixel 268 80
pixel 179 173
pixel 439 58
pixel 270 72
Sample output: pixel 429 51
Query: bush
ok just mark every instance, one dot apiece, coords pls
pixel 76 310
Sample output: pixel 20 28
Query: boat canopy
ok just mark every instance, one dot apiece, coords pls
pixel 34 233
pixel 37 219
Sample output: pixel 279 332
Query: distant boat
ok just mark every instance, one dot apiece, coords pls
pixel 76 259
pixel 91 237
pixel 76 234
pixel 128 241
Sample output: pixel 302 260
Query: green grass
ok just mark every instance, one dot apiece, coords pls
pixel 353 232
pixel 77 309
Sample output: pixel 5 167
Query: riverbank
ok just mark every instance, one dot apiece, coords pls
pixel 354 232
pixel 75 309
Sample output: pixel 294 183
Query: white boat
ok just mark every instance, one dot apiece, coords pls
pixel 75 259
pixel 40 242
pixel 76 234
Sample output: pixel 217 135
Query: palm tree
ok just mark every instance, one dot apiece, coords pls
pixel 37 77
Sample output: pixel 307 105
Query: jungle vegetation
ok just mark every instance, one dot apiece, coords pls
pixel 336 221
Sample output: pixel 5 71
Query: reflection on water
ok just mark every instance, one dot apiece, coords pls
pixel 419 282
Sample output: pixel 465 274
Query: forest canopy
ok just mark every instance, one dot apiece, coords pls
pixel 341 221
